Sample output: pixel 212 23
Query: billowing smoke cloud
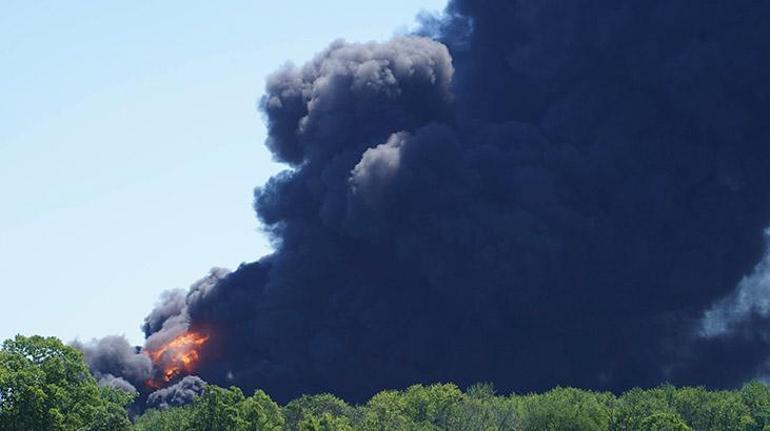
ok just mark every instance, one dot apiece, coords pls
pixel 171 318
pixel 533 193
pixel 110 381
pixel 180 393
pixel 117 364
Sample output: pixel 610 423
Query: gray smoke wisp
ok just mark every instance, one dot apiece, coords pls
pixel 170 318
pixel 180 393
pixel 750 300
pixel 115 363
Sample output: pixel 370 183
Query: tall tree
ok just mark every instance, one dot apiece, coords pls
pixel 217 409
pixel 46 385
pixel 261 413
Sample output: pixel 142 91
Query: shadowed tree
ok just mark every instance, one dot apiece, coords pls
pixel 480 409
pixel 326 422
pixel 756 397
pixel 663 422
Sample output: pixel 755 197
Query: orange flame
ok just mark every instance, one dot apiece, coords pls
pixel 177 356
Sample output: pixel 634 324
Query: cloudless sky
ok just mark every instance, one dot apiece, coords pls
pixel 130 145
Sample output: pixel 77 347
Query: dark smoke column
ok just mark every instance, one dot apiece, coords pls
pixel 544 193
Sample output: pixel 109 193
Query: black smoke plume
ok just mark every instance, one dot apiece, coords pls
pixel 532 193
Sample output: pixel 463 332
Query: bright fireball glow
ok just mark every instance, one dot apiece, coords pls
pixel 177 356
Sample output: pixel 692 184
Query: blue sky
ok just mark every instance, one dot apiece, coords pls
pixel 130 145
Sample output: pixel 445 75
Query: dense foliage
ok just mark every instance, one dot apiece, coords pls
pixel 446 407
pixel 45 385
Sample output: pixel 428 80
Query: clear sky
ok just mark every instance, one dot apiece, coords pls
pixel 130 144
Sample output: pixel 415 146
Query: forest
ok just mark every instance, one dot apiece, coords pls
pixel 47 385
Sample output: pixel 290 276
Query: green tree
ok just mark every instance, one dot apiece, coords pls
pixel 315 406
pixel 45 385
pixel 261 413
pixel 663 422
pixel 711 411
pixel 23 401
pixel 481 410
pixel 170 419
pixel 636 405
pixel 385 412
pixel 564 409
pixel 755 396
pixel 326 422
pixel 431 405
pixel 111 416
pixel 217 409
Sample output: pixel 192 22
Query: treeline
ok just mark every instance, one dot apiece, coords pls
pixel 446 407
pixel 45 385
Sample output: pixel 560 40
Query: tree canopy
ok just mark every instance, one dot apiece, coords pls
pixel 46 385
